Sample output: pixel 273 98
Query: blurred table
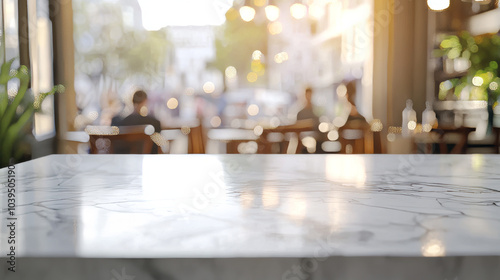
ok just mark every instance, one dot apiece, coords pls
pixel 232 137
pixel 460 146
pixel 441 137
pixel 256 217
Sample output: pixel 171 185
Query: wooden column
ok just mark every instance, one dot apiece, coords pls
pixel 401 58
pixel 61 15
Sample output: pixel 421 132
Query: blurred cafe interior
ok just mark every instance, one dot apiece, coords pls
pixel 250 139
pixel 231 77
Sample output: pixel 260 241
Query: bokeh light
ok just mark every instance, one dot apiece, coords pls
pixel 231 72
pixel 333 135
pixel 275 27
pixel 253 110
pixel 281 57
pixel 412 125
pixel 256 55
pixel 258 130
pixel 341 90
pixel 215 121
pixel 247 13
pixel 172 103
pixel 298 11
pixel 438 5
pixel 272 12
pixel 477 81
pixel 324 127
pixel 376 125
pixel 252 77
pixel 208 87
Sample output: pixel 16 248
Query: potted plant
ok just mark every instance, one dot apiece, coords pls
pixel 16 113
pixel 481 79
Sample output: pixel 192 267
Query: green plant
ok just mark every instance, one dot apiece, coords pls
pixel 483 54
pixel 17 112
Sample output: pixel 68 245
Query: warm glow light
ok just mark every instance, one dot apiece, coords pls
pixel 351 170
pixel 341 90
pixel 256 55
pixel 258 130
pixel 433 248
pixel 438 5
pixel 324 127
pixel 316 11
pixel 231 72
pixel 257 66
pixel 376 125
pixel 275 27
pixel 215 121
pixel 412 125
pixel 310 144
pixel 493 85
pixel 172 103
pixel 281 57
pixel 209 87
pixel 252 77
pixel 253 110
pixel 298 11
pixel 272 12
pixel 333 135
pixel 247 13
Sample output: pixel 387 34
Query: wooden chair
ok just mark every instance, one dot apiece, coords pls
pixel 265 146
pixel 196 140
pixel 195 133
pixel 356 138
pixel 137 139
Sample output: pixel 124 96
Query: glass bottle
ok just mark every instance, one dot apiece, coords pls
pixel 409 119
pixel 428 117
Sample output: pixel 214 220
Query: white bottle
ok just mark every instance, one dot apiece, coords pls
pixel 428 117
pixel 409 119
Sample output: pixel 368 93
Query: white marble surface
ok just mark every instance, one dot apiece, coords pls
pixel 282 206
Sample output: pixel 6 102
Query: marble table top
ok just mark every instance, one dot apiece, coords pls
pixel 170 206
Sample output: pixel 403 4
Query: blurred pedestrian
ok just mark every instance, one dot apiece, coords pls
pixel 139 116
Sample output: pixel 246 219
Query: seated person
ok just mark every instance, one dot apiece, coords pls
pixel 307 113
pixel 353 132
pixel 139 101
pixel 354 118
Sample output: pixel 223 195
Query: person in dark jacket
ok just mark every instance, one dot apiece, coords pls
pixel 137 117
pixel 139 101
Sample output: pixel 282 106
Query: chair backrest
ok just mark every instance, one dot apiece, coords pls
pixel 197 141
pixel 356 138
pixel 299 127
pixel 124 139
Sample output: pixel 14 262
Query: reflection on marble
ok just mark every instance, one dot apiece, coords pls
pixel 258 206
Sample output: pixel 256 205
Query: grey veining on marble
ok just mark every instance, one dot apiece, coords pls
pixel 223 206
